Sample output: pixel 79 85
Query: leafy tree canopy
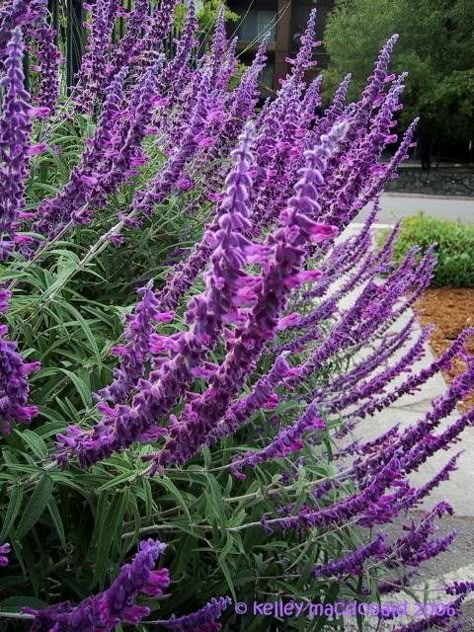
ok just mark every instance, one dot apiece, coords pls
pixel 436 47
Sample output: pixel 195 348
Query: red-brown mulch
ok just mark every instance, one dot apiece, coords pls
pixel 451 310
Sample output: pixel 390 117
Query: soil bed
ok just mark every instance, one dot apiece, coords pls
pixel 451 310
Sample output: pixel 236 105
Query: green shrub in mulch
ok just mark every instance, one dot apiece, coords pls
pixel 454 247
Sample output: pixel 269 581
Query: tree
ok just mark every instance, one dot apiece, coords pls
pixel 436 47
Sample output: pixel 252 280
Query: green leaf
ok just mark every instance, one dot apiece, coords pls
pixel 15 604
pixel 117 481
pixel 57 521
pixel 14 506
pixel 38 502
pixel 34 442
pixel 109 519
pixel 81 387
pixel 221 560
pixel 87 331
pixel 168 484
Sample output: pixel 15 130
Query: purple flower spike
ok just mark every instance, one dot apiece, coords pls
pixel 353 563
pixel 131 44
pixel 177 72
pixel 14 388
pixel 15 132
pixel 304 57
pixel 5 296
pixel 87 182
pixel 240 412
pixel 288 441
pixel 159 26
pixel 450 610
pixel 124 425
pixel 218 46
pixel 4 551
pixel 135 353
pixel 459 588
pixel 343 510
pixel 94 70
pixel 336 109
pixel 288 248
pixel 204 620
pixel 47 54
pixel 114 606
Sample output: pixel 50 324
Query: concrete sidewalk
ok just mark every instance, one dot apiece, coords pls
pixel 458 491
pixel 458 563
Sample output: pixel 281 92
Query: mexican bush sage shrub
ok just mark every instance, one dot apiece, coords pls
pixel 212 402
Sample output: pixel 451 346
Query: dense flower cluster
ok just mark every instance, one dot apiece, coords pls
pixel 272 298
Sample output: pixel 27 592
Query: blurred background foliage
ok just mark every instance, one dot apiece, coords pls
pixel 436 47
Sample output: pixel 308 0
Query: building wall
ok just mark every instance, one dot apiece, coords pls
pixel 289 19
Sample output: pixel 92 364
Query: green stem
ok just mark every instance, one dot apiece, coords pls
pixel 261 492
pixel 163 527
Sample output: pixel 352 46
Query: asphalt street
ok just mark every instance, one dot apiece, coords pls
pixel 396 206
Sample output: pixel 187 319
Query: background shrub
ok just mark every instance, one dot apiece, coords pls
pixel 454 248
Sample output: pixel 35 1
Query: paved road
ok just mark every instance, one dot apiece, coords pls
pixel 396 205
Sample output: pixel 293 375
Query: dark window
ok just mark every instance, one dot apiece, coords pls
pixel 255 24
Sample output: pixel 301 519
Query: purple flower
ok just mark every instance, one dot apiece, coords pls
pixel 4 551
pixel 218 46
pixel 47 54
pixel 94 71
pixel 145 200
pixel 336 109
pixel 304 56
pixel 15 132
pixel 85 188
pixel 205 314
pixel 243 100
pixel 156 27
pixel 14 387
pixel 288 441
pixel 289 245
pixel 129 47
pixel 352 564
pixel 204 620
pixel 240 412
pixel 459 588
pixel 375 384
pixel 134 354
pixel 450 610
pixel 422 492
pixel 5 296
pixel 345 509
pixel 114 606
